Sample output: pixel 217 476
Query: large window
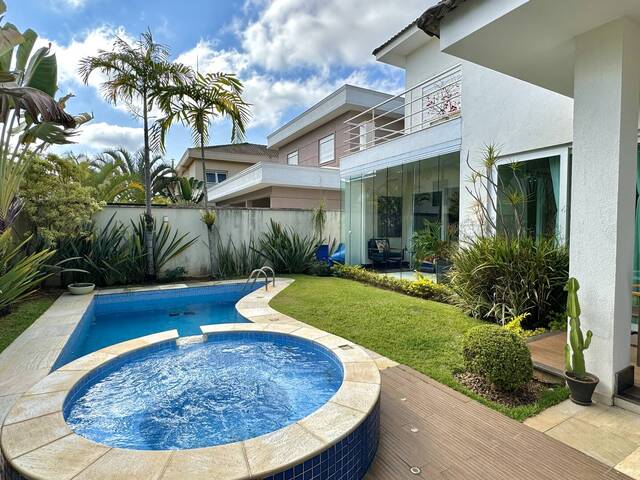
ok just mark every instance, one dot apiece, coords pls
pixel 395 202
pixel 327 149
pixel 215 176
pixel 292 158
pixel 529 197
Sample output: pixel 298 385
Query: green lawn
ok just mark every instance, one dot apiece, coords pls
pixel 21 316
pixel 424 335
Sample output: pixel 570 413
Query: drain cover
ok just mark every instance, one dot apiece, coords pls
pixel 189 313
pixel 415 470
pixel 174 314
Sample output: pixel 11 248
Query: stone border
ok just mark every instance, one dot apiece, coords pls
pixel 37 442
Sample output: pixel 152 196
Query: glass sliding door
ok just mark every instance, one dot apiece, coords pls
pixel 529 197
pixel 390 204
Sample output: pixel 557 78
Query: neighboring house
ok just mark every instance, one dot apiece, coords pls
pixel 299 166
pixel 222 161
pixel 556 85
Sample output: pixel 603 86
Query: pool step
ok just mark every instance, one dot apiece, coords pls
pixel 190 340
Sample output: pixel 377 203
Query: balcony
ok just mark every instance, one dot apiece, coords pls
pixel 428 104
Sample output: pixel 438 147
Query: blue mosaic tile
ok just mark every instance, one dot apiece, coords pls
pixel 349 459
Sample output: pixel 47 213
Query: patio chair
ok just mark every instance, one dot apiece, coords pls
pixel 322 253
pixel 380 252
pixel 339 255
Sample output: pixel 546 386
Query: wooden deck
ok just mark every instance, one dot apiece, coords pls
pixel 446 435
pixel 549 352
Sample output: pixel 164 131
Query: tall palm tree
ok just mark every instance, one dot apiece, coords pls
pixel 195 104
pixel 136 74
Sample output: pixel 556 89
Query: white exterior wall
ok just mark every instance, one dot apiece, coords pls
pixel 498 109
pixel 237 224
pixel 512 114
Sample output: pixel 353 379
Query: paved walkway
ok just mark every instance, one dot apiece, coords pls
pixel 609 434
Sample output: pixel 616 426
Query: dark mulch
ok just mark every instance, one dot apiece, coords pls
pixel 526 395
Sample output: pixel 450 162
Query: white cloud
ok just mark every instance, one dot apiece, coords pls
pixel 272 96
pixel 88 44
pixel 293 33
pixel 74 3
pixel 288 56
pixel 98 136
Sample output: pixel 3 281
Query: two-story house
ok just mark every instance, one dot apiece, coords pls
pixel 451 109
pixel 299 166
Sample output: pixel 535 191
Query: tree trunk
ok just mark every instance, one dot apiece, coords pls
pixel 205 200
pixel 148 217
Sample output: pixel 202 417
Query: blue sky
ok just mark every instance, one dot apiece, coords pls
pixel 289 53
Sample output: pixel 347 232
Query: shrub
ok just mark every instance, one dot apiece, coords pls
pixel 497 277
pixel 286 250
pixel 320 269
pixel 174 274
pixel 500 356
pixel 237 261
pixel 421 288
pixel 515 325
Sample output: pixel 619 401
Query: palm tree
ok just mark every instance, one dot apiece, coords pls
pixel 132 166
pixel 195 104
pixel 136 74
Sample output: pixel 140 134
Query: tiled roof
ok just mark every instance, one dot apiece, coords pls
pixel 429 21
pixel 392 39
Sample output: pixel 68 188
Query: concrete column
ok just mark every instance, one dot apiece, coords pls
pixel 605 136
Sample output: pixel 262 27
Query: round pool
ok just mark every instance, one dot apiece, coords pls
pixel 181 396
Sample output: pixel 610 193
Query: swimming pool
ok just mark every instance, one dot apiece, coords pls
pixel 233 387
pixel 114 318
pixel 337 440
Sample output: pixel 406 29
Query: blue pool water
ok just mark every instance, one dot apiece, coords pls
pixel 114 318
pixel 232 387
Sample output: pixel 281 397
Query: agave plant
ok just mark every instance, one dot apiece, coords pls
pixel 286 250
pixel 237 260
pixel 20 274
pixel 165 245
pixel 184 190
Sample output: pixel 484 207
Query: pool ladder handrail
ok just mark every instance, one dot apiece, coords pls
pixel 257 273
pixel 273 273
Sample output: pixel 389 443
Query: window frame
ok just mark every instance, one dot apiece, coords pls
pixel 322 141
pixel 290 154
pixel 216 173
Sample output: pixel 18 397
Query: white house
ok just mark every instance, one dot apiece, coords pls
pixel 556 86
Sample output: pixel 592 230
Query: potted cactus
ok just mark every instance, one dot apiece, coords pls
pixel 581 383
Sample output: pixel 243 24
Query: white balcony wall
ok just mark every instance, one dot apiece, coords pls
pixel 498 109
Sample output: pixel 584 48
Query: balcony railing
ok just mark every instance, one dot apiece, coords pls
pixel 434 101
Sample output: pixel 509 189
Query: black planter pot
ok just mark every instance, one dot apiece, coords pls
pixel 581 390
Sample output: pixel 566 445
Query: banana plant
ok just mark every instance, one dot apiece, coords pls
pixel 31 118
pixel 578 343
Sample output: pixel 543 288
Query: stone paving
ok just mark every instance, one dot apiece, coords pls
pixel 607 433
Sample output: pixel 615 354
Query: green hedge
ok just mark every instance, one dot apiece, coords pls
pixel 500 356
pixel 421 288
